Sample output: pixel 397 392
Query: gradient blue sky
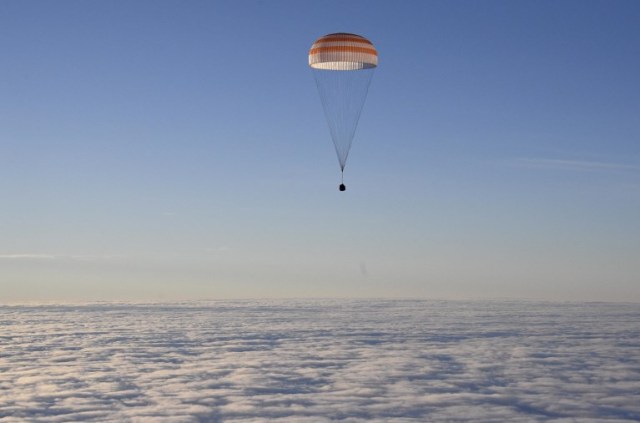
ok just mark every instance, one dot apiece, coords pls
pixel 168 150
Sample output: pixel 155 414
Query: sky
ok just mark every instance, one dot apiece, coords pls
pixel 162 150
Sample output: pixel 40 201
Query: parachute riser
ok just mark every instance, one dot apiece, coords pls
pixel 342 187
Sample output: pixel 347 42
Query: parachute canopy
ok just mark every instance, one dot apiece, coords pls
pixel 343 52
pixel 343 65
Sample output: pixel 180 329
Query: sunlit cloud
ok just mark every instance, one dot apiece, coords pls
pixel 573 165
pixel 27 256
pixel 40 256
pixel 320 360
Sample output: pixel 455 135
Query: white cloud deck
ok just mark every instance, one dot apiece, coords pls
pixel 321 360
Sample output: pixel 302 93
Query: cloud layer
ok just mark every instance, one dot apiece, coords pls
pixel 321 360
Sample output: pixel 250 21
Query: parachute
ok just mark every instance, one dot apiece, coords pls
pixel 343 66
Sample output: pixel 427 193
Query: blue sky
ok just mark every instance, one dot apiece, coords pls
pixel 169 150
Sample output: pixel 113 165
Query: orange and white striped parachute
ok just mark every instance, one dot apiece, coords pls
pixel 343 52
pixel 343 65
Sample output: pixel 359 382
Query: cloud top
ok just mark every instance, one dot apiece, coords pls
pixel 320 360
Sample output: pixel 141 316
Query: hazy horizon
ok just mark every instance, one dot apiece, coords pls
pixel 213 301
